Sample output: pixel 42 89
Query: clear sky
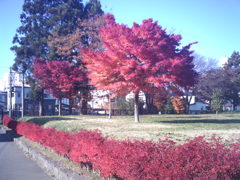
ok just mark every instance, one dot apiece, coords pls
pixel 215 24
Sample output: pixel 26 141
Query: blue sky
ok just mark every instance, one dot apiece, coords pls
pixel 215 24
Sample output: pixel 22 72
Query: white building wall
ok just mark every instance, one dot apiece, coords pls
pixel 142 97
pixel 237 108
pixel 98 99
pixel 17 96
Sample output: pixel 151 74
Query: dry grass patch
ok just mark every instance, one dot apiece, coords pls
pixel 151 127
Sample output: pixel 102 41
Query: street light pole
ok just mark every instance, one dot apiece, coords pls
pixel 22 114
pixel 10 93
pixel 110 106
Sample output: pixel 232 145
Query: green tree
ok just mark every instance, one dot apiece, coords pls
pixel 168 107
pixel 36 93
pixel 38 20
pixel 234 60
pixel 226 80
pixel 125 106
pixel 232 67
pixel 218 100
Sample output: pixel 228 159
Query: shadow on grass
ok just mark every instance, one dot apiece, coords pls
pixel 211 121
pixel 187 116
pixel 43 120
pixel 232 116
pixel 8 136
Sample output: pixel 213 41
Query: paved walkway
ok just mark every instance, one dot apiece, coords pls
pixel 14 165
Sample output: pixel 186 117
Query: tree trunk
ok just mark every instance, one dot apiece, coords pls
pixel 136 103
pixel 110 107
pixel 84 107
pixel 70 105
pixel 235 105
pixel 60 106
pixel 149 103
pixel 40 112
pixel 187 100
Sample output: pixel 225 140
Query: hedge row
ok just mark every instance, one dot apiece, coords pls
pixel 139 160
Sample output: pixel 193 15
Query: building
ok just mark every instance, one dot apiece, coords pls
pixel 198 106
pixel 98 99
pixel 12 93
pixel 3 101
pixel 14 102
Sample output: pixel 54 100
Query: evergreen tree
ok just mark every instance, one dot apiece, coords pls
pixel 234 60
pixel 42 17
pixel 232 68
pixel 38 20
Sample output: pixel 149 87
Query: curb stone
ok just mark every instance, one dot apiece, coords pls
pixel 53 168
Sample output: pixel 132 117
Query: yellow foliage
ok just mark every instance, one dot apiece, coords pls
pixel 178 105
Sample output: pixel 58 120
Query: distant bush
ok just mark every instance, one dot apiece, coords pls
pixel 139 160
pixel 178 105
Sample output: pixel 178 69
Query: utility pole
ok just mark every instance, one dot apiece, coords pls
pixel 110 106
pixel 22 114
pixel 10 93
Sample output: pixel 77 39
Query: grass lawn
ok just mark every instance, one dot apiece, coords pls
pixel 151 127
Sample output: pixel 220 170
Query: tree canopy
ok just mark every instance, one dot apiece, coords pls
pixel 234 60
pixel 39 19
pixel 61 78
pixel 141 58
pixel 219 81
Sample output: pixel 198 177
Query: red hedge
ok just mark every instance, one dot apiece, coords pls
pixel 9 122
pixel 139 160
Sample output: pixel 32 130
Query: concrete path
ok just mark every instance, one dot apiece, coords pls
pixel 14 165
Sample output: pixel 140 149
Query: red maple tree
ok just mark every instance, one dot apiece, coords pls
pixel 61 78
pixel 141 58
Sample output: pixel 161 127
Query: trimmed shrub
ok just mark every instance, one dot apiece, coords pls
pixel 197 159
pixel 9 122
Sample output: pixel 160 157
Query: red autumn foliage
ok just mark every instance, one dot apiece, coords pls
pixel 61 78
pixel 86 146
pixel 139 58
pixel 10 123
pixel 140 160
